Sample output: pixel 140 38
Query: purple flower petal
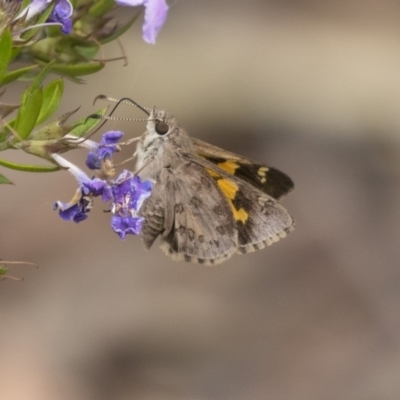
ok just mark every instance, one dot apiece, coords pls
pixel 63 9
pixel 111 137
pixel 81 203
pixel 154 18
pixel 104 150
pixel 126 225
pixel 141 191
pixel 94 187
pixel 129 192
pixel 155 15
pixel 92 160
pixel 74 211
pixel 66 26
pixel 62 13
pixel 131 3
pixel 106 195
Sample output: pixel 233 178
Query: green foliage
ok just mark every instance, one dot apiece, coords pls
pixel 118 31
pixel 52 95
pixel 74 54
pixel 35 50
pixel 16 74
pixel 14 53
pixel 29 34
pixel 78 69
pixel 38 81
pixel 5 51
pixel 4 180
pixel 54 130
pixel 3 271
pixel 28 113
pixel 27 168
pixel 63 50
pixel 37 105
pixel 101 7
pixel 25 4
pixel 85 125
pixel 40 52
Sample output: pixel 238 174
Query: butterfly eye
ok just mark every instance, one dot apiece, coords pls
pixel 162 127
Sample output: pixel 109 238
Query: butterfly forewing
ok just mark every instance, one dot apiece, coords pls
pixel 201 227
pixel 270 180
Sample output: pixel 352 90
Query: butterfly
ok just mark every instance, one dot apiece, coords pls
pixel 207 203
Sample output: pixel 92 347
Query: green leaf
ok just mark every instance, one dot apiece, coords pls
pixel 101 7
pixel 71 50
pixel 52 94
pixel 87 51
pixel 64 50
pixel 14 52
pixel 47 140
pixel 25 3
pixel 28 113
pixel 56 129
pixel 27 168
pixel 85 125
pixel 5 51
pixel 3 138
pixel 37 82
pixel 45 49
pixel 4 276
pixel 78 69
pixel 17 73
pixel 5 180
pixel 44 148
pixel 3 271
pixel 31 104
pixel 118 31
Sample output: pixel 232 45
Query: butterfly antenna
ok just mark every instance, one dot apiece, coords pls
pixel 109 118
pixel 125 100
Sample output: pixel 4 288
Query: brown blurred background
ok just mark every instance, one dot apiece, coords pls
pixel 311 87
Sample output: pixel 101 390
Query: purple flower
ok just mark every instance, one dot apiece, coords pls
pixel 60 15
pixel 155 15
pixel 81 203
pixel 129 193
pixel 74 212
pixel 104 150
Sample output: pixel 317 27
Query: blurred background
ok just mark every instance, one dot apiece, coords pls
pixel 308 86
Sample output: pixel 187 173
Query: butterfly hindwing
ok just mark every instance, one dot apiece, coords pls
pixel 267 220
pixel 260 219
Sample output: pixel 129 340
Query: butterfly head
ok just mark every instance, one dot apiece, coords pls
pixel 160 123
